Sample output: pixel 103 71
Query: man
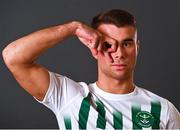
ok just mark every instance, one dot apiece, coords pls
pixel 114 101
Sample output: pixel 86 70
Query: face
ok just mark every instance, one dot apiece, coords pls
pixel 124 58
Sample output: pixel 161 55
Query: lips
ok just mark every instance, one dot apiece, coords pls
pixel 119 67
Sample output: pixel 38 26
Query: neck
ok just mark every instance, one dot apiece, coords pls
pixel 116 86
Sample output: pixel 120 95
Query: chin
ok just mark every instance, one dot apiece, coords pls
pixel 121 76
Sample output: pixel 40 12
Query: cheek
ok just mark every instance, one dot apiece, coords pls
pixel 102 58
pixel 103 61
pixel 132 56
pixel 129 53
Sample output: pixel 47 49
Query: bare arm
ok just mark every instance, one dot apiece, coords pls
pixel 21 54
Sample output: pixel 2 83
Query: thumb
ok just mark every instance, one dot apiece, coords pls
pixel 94 51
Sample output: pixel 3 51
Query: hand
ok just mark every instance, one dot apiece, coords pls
pixel 95 41
pixel 109 45
pixel 89 37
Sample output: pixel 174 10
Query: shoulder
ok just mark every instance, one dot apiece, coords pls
pixel 154 99
pixel 169 112
pixel 68 85
pixel 148 94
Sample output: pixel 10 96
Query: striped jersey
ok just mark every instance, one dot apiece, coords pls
pixel 81 106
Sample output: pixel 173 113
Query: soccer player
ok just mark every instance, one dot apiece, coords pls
pixel 113 101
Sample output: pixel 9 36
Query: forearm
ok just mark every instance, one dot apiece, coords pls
pixel 27 49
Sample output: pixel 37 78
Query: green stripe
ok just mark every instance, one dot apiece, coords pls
pixel 135 110
pixel 67 121
pixel 101 121
pixel 84 112
pixel 117 119
pixel 156 111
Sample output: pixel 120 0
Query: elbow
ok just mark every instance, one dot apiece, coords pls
pixel 5 55
pixel 8 57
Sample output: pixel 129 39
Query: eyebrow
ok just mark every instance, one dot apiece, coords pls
pixel 128 39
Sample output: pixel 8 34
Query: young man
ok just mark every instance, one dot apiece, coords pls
pixel 114 101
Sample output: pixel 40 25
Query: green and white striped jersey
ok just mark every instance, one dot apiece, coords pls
pixel 82 106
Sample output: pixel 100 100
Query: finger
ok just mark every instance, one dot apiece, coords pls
pixel 94 51
pixel 101 44
pixel 88 44
pixel 106 55
pixel 106 46
pixel 95 43
pixel 85 42
pixel 89 35
pixel 113 47
pixel 110 44
pixel 100 41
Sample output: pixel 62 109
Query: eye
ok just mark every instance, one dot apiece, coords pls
pixel 107 45
pixel 127 43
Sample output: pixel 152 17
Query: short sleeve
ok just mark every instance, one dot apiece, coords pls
pixel 173 117
pixel 61 90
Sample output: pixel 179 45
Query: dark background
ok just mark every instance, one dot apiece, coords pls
pixel 158 67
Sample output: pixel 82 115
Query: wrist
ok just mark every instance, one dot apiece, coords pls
pixel 69 28
pixel 76 25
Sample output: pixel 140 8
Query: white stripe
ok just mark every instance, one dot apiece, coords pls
pixel 146 106
pixel 127 115
pixel 93 115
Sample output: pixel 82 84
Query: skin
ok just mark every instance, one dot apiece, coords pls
pixel 117 76
pixel 20 56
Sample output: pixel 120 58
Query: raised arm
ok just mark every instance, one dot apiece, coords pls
pixel 20 55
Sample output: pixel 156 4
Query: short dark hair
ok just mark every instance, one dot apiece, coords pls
pixel 118 17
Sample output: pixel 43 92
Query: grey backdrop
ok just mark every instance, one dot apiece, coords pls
pixel 158 67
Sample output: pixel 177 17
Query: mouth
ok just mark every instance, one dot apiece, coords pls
pixel 119 67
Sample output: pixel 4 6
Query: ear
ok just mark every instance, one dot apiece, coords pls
pixel 138 42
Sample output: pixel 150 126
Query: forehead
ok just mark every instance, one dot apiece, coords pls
pixel 118 33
